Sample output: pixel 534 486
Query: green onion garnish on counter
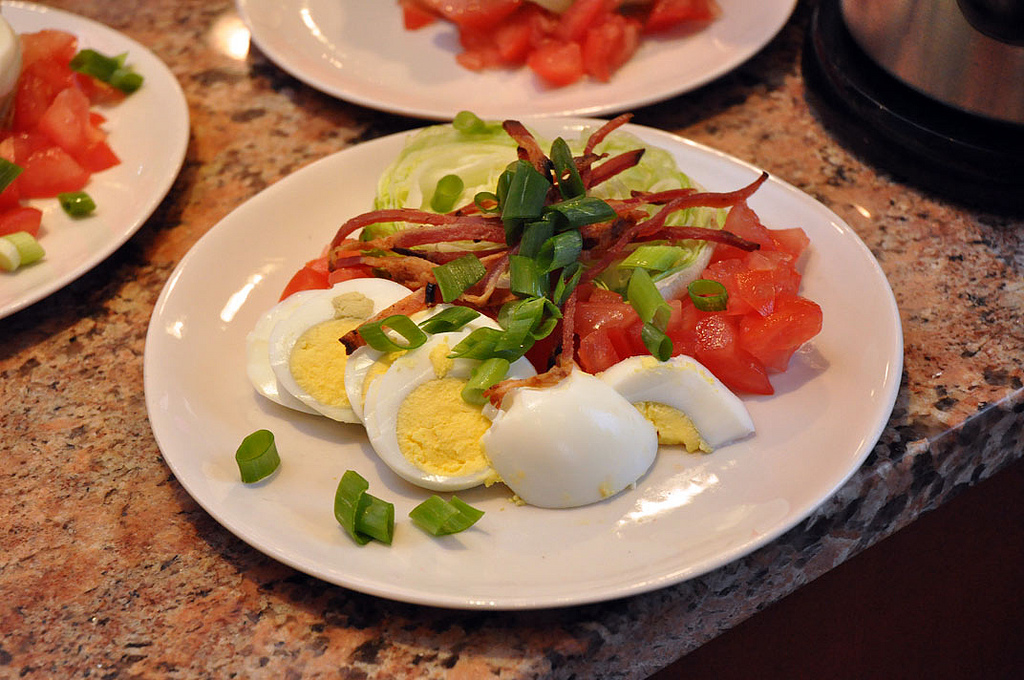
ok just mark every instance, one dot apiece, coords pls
pixel 439 517
pixel 364 516
pixel 76 203
pixel 257 456
pixel 708 295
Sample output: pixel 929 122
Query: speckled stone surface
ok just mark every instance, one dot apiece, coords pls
pixel 108 569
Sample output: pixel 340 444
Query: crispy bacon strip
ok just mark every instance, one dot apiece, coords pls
pixel 613 166
pixel 498 267
pixel 703 234
pixel 703 199
pixel 529 149
pixel 410 304
pixel 598 136
pixel 466 229
pixel 393 215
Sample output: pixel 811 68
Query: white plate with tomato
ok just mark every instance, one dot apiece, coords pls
pixel 688 514
pixel 361 52
pixel 148 131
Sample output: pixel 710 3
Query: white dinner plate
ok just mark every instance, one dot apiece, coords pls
pixel 148 131
pixel 359 51
pixel 689 514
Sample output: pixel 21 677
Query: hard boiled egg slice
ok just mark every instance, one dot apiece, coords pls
pixel 572 444
pixel 418 423
pixel 304 348
pixel 686 402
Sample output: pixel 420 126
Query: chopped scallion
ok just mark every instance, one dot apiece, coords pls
pixel 448 320
pixel 446 193
pixel 581 211
pixel 17 249
pixel 468 122
pixel 8 173
pixel 652 257
pixel 362 515
pixel 534 235
pixel 376 337
pixel 708 295
pixel 257 456
pixel 570 184
pixel 526 277
pixel 560 250
pixel 566 283
pixel 110 70
pixel 76 203
pixel 455 277
pixel 487 373
pixel 656 342
pixel 646 299
pixel 439 517
pixel 477 345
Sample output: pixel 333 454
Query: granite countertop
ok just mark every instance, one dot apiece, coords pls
pixel 109 569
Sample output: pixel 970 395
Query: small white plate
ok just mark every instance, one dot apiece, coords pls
pixel 358 50
pixel 688 515
pixel 148 131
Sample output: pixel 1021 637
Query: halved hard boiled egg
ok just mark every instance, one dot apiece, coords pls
pixel 686 403
pixel 297 342
pixel 10 65
pixel 418 422
pixel 572 444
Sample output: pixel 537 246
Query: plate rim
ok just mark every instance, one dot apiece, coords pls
pixel 596 594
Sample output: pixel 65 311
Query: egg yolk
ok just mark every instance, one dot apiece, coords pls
pixel 674 426
pixel 318 361
pixel 440 433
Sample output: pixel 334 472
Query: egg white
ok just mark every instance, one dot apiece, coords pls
pixel 572 444
pixel 687 386
pixel 287 321
pixel 385 395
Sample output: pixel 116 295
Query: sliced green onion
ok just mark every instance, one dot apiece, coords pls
pixel 534 235
pixel 376 337
pixel 526 277
pixel 468 122
pixel 363 516
pixel 570 184
pixel 8 173
pixel 376 518
pixel 456 277
pixel 446 193
pixel 439 517
pixel 111 70
pixel 652 257
pixel 448 320
pixel 76 203
pixel 560 250
pixel 566 283
pixel 708 295
pixel 524 198
pixel 19 248
pixel 581 211
pixel 656 342
pixel 487 373
pixel 257 456
pixel 646 299
pixel 487 203
pixel 479 344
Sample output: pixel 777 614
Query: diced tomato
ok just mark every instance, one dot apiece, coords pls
pixel 66 122
pixel 37 87
pixel 50 172
pixel 97 91
pixel 20 219
pixel 592 316
pixel 667 14
pixel 793 241
pixel 597 353
pixel 581 16
pixel 307 278
pixel 558 64
pixel 774 338
pixel 738 369
pixel 415 15
pixel 756 287
pixel 609 45
pixel 48 44
pixel 98 157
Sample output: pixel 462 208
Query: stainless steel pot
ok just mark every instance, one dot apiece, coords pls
pixel 965 53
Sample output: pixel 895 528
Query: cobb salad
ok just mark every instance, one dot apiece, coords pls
pixel 542 319
pixel 561 41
